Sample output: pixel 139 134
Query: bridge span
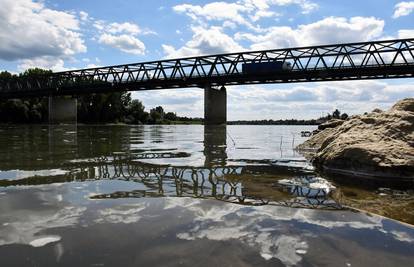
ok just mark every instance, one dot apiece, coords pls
pixel 389 59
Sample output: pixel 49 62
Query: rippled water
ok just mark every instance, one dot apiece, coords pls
pixel 187 195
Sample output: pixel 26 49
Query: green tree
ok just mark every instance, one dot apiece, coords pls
pixel 6 76
pixel 35 72
pixel 336 114
pixel 136 112
pixel 160 110
pixel 103 108
pixel 156 115
pixel 171 116
pixel 33 110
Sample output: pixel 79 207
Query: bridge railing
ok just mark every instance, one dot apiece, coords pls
pixel 367 60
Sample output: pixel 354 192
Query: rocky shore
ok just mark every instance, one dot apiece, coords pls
pixel 379 144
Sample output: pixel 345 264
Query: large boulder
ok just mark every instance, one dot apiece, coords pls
pixel 378 144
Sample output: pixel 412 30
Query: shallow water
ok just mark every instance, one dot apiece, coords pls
pixel 187 195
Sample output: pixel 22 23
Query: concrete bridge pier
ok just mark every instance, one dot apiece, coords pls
pixel 215 105
pixel 63 110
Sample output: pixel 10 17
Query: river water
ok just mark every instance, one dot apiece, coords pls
pixel 187 195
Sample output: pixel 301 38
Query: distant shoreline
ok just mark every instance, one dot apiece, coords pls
pixel 171 123
pixel 275 122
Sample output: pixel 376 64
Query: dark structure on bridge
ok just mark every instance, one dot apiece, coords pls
pixel 354 61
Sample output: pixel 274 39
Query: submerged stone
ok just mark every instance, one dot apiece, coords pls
pixel 312 187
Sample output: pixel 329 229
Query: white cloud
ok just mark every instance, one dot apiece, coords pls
pixel 405 34
pixel 262 14
pixel 125 27
pixel 122 36
pixel 186 102
pixel 403 9
pixel 306 5
pixel 214 11
pixel 45 62
pixel 30 30
pixel 204 41
pixel 242 12
pixel 99 24
pixel 118 28
pixel 125 43
pixel 328 30
pixel 83 16
pixel 92 66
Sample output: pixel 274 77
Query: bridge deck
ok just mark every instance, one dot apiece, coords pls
pixel 354 61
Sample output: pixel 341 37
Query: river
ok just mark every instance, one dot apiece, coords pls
pixel 188 195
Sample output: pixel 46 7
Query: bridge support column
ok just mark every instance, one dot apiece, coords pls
pixel 215 105
pixel 63 110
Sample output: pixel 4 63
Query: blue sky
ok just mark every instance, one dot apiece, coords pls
pixel 78 34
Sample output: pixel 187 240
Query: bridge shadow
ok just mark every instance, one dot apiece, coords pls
pixel 215 145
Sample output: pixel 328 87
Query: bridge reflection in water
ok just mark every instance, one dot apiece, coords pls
pixel 252 183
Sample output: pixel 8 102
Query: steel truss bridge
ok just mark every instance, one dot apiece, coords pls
pixel 352 61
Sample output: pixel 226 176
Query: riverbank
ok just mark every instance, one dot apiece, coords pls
pixel 377 145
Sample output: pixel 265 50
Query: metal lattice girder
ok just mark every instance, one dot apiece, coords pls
pixel 353 61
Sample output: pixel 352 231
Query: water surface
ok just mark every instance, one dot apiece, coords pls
pixel 189 196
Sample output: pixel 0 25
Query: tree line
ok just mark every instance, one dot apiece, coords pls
pixel 335 115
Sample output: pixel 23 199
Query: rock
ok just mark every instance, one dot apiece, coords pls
pixel 404 105
pixel 330 124
pixel 316 140
pixel 375 145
